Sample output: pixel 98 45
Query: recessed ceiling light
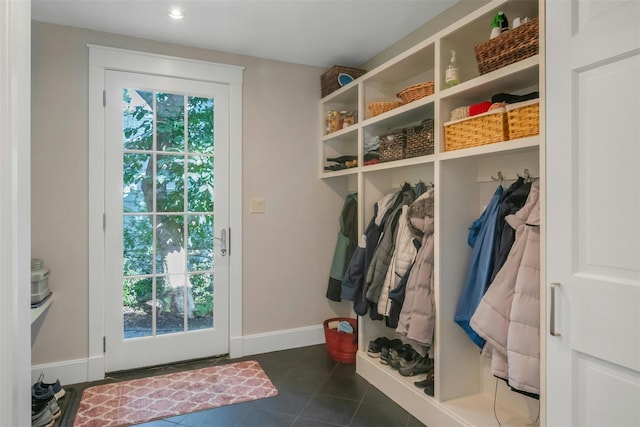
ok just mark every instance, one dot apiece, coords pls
pixel 176 14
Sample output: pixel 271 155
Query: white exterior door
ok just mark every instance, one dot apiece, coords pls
pixel 164 299
pixel 593 213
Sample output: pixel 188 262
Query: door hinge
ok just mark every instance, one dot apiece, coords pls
pixel 104 222
pixel 104 344
pixel 229 243
pixel 104 98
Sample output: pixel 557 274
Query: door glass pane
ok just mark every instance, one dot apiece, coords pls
pixel 200 179
pixel 137 182
pixel 170 183
pixel 137 245
pixel 200 245
pixel 170 122
pixel 161 251
pixel 170 307
pixel 170 256
pixel 200 127
pixel 138 307
pixel 137 118
pixel 202 290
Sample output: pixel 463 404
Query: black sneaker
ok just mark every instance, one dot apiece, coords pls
pixel 404 354
pixel 376 346
pixel 48 398
pixel 385 353
pixel 417 366
pixel 42 387
pixel 428 381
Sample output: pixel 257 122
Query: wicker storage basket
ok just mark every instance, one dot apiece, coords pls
pixel 392 146
pixel 379 107
pixel 523 119
pixel 415 92
pixel 509 47
pixel 478 130
pixel 329 80
pixel 341 346
pixel 419 139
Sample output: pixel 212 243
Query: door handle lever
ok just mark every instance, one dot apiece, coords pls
pixel 552 310
pixel 223 241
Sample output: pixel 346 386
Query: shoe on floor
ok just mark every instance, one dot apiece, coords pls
pixel 427 381
pixel 403 355
pixel 419 365
pixel 376 346
pixel 47 397
pixel 42 387
pixel 41 415
pixel 385 355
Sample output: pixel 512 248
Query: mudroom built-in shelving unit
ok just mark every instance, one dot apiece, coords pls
pixel 464 180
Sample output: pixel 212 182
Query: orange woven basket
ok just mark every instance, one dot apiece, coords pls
pixel 415 92
pixel 341 346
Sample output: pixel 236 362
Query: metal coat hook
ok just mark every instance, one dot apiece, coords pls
pixel 499 178
pixel 527 176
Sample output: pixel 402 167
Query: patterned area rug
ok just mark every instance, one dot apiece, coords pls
pixel 136 401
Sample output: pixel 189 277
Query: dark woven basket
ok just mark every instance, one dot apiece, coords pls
pixel 341 346
pixel 329 80
pixel 420 139
pixel 392 146
pixel 509 47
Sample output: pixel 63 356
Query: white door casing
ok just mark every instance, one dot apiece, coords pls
pixel 102 59
pixel 593 213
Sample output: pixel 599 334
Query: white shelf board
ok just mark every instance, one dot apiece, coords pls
pixel 404 393
pixel 477 409
pixel 473 410
pixel 39 311
pixel 519 144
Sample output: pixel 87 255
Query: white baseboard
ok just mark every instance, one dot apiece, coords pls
pixel 282 340
pixel 92 369
pixel 68 372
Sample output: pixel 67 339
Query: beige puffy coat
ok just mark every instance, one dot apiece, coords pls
pixel 508 316
pixel 418 316
pixel 403 256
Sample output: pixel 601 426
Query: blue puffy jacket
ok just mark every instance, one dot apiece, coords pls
pixel 482 239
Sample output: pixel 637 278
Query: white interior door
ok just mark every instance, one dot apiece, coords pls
pixel 166 275
pixel 593 213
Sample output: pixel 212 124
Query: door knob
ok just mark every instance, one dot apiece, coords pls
pixel 223 241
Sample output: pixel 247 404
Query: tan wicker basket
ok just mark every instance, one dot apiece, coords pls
pixel 509 47
pixel 415 92
pixel 392 146
pixel 329 80
pixel 524 119
pixel 419 139
pixel 478 130
pixel 379 107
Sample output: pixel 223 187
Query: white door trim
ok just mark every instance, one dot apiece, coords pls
pixel 15 217
pixel 106 58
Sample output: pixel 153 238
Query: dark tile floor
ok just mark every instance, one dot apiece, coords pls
pixel 313 391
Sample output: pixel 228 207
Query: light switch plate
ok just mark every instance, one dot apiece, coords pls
pixel 256 205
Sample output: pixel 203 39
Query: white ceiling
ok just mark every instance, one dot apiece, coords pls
pixel 312 32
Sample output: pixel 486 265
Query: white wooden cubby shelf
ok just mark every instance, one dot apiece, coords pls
pixel 465 391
